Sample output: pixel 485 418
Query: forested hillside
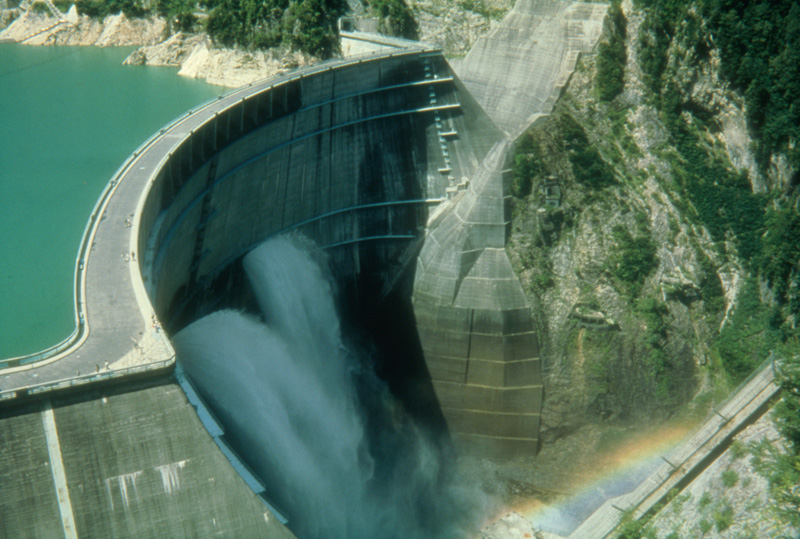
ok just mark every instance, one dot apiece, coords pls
pixel 307 26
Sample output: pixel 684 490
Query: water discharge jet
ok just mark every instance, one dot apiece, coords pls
pixel 335 449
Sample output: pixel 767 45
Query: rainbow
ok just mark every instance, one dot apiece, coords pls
pixel 615 471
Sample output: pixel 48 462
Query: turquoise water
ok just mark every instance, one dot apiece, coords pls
pixel 69 116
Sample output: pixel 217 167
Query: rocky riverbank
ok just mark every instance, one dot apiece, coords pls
pixel 444 23
pixel 194 54
pixel 197 58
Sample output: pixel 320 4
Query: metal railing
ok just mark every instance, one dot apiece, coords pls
pixel 80 380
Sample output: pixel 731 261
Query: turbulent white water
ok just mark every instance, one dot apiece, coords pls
pixel 297 404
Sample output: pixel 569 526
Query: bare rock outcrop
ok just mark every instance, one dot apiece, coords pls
pixel 455 25
pixel 570 254
pixel 27 25
pixel 113 31
pixel 198 59
pixel 7 16
pixel 172 52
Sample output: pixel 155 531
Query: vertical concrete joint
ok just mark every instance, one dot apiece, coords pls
pixel 57 467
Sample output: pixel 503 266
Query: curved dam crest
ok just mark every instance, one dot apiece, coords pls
pixel 389 164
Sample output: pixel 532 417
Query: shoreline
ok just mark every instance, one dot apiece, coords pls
pixel 193 54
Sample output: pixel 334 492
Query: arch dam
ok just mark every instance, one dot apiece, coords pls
pixel 388 163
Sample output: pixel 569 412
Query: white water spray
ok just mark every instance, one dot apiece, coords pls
pixel 296 402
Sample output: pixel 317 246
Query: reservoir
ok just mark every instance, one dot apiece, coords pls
pixel 69 118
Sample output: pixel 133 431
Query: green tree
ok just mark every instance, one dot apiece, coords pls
pixel 588 165
pixel 782 468
pixel 178 13
pixel 313 24
pixel 611 55
pixel 395 18
pixel 759 43
pixel 526 166
pixel 781 248
pixel 633 258
pixel 223 25
pixel 308 26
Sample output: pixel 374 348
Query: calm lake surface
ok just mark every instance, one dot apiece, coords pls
pixel 69 117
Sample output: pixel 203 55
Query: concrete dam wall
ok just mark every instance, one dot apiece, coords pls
pixel 130 461
pixel 356 157
pixel 348 155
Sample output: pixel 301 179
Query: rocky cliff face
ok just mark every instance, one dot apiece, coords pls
pixel 455 25
pixel 634 292
pixel 7 16
pixel 198 59
pixel 113 31
pixel 641 226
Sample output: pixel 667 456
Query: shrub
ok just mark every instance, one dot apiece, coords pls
pixel 730 478
pixel 634 529
pixel 542 280
pixel 588 166
pixel 396 18
pixel 738 449
pixel 723 518
pixel 633 258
